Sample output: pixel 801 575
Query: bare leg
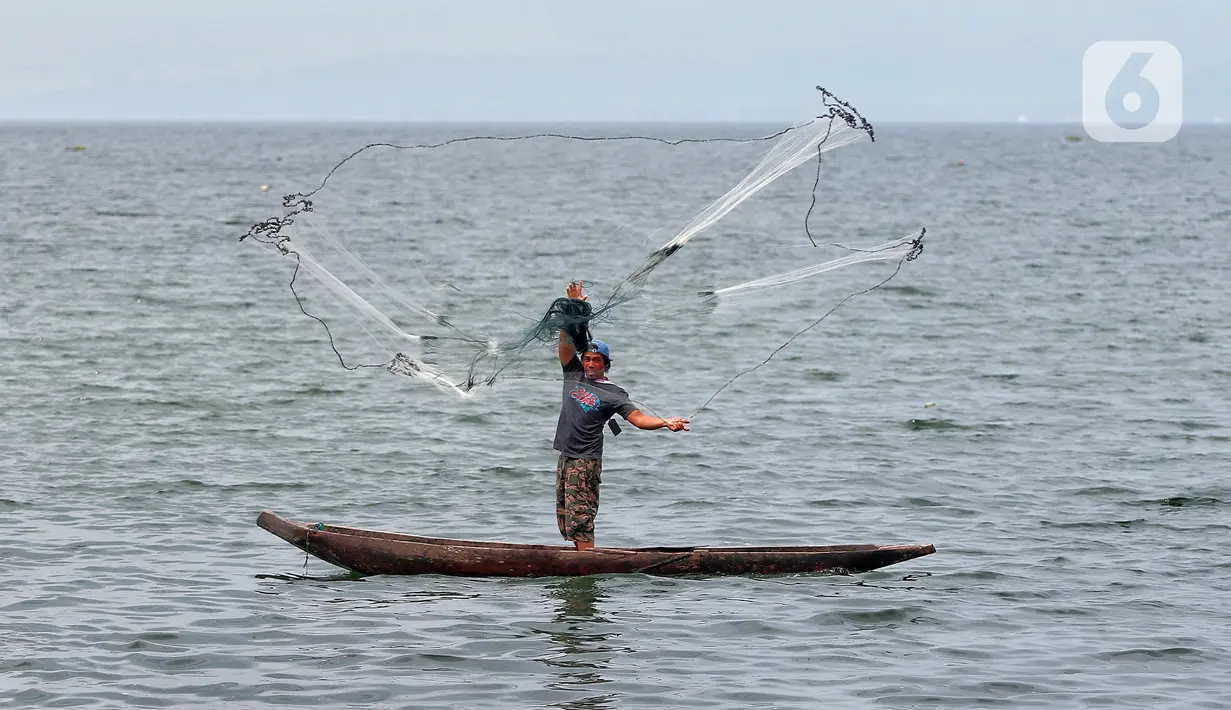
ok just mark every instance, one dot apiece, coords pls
pixel 583 545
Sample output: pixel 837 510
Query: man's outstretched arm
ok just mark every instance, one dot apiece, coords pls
pixel 645 421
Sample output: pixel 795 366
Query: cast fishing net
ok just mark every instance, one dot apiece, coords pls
pixel 444 261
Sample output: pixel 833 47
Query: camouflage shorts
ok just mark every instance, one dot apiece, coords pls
pixel 577 482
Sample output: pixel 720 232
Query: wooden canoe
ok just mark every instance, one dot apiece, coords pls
pixel 375 552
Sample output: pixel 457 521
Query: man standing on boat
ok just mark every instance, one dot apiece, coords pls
pixel 590 400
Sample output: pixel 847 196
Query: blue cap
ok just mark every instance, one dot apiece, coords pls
pixel 598 346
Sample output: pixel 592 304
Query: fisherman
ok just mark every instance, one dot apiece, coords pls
pixel 590 400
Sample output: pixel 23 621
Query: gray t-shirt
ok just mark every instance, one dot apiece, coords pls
pixel 586 407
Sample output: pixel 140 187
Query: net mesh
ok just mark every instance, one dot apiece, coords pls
pixel 456 312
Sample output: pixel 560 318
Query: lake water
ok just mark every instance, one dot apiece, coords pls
pixel 1068 321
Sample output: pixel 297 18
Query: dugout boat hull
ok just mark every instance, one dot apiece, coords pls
pixel 373 552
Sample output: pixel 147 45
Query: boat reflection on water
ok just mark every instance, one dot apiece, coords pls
pixel 583 637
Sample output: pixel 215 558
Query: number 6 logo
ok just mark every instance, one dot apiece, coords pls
pixel 1132 91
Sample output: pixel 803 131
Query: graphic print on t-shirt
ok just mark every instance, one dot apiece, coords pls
pixel 587 399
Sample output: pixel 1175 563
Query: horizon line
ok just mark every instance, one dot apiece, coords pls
pixel 1216 121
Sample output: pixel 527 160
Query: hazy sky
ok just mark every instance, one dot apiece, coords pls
pixel 580 60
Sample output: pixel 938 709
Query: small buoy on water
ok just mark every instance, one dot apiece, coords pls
pixel 960 162
pixel 264 188
pixel 929 405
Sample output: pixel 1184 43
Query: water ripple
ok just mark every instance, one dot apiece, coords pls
pixel 1046 416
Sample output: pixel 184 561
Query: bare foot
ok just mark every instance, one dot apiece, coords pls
pixel 583 545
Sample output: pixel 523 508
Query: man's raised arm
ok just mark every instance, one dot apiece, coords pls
pixel 567 351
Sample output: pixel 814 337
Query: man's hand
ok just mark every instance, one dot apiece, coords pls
pixel 574 290
pixel 676 424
